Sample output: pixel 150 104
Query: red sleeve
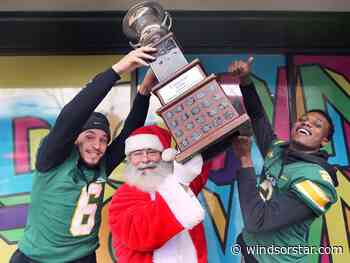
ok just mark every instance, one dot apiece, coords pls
pixel 199 182
pixel 140 223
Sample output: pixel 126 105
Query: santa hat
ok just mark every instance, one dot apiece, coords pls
pixel 151 137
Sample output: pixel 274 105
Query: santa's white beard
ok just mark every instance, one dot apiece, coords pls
pixel 147 180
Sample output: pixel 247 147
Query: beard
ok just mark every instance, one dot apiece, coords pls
pixel 147 180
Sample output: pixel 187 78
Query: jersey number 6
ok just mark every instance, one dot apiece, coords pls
pixel 84 215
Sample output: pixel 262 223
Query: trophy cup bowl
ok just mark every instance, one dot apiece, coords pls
pixel 146 23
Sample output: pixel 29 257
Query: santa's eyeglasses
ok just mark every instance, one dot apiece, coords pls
pixel 149 153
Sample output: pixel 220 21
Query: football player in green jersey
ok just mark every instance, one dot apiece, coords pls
pixel 72 165
pixel 296 186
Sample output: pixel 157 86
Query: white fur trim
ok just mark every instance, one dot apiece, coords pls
pixel 179 249
pixel 143 141
pixel 185 207
pixel 169 154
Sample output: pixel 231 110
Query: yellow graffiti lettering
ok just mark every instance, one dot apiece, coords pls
pixel 336 223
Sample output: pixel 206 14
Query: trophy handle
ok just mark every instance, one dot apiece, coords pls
pixel 133 45
pixel 167 20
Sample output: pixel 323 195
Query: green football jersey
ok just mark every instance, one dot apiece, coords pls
pixel 64 216
pixel 313 185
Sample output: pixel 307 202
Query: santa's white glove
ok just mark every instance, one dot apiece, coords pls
pixel 187 172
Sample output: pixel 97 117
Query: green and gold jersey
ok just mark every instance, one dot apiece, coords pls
pixel 67 226
pixel 312 184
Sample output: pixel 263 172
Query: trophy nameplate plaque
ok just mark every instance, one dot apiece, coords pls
pixel 179 83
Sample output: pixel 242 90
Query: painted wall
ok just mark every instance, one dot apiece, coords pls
pixel 320 82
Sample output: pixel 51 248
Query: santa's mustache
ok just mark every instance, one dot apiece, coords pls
pixel 143 166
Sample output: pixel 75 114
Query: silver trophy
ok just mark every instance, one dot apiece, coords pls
pixel 148 23
pixel 195 109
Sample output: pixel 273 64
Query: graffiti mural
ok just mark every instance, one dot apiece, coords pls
pixel 318 82
pixel 21 131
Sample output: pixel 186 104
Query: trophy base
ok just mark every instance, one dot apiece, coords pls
pixel 201 115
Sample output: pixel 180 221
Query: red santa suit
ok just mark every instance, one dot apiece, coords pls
pixel 163 226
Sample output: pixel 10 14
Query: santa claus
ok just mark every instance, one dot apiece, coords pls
pixel 155 216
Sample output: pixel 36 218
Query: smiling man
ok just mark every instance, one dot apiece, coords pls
pixel 72 166
pixel 296 186
pixel 311 132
